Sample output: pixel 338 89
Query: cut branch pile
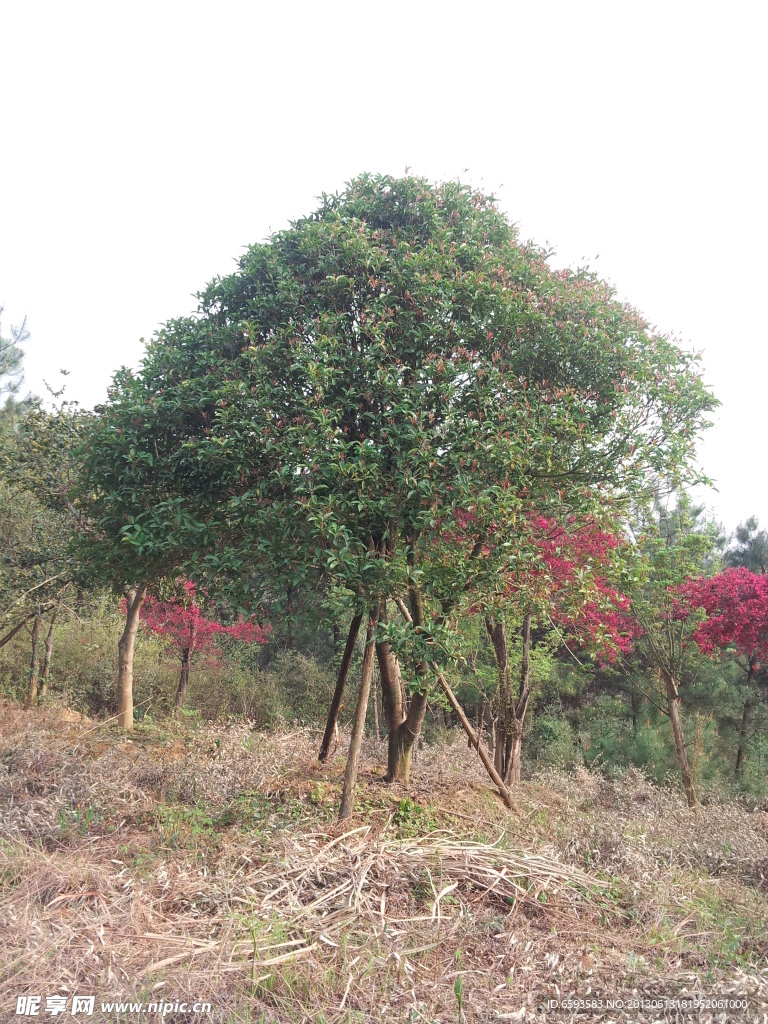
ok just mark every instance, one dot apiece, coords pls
pixel 353 874
pixel 290 906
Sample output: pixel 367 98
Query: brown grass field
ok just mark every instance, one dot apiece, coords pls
pixel 196 863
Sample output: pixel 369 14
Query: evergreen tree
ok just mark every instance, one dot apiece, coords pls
pixel 391 360
pixel 750 550
pixel 11 356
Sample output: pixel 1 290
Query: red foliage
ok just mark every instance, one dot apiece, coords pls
pixel 735 603
pixel 189 631
pixel 572 579
pixel 567 576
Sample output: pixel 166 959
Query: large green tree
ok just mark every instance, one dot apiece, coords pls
pixel 384 365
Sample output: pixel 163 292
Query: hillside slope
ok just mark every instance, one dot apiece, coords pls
pixel 206 864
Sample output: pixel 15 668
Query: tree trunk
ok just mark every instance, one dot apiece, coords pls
pixel 508 739
pixel 499 747
pixel 376 730
pixel 403 736
pixel 358 725
pixel 20 625
pixel 34 665
pixel 48 658
pixel 746 715
pixel 749 703
pixel 490 724
pixel 477 742
pixel 289 615
pixel 181 692
pixel 673 702
pixel 399 750
pixel 504 699
pixel 391 698
pixel 341 679
pixel 134 599
pixel 514 748
pixel 515 740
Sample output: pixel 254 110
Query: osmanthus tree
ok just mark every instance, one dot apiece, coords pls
pixel 729 613
pixel 183 625
pixel 395 356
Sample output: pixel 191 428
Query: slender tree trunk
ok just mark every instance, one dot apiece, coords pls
pixel 504 699
pixel 508 740
pixel 134 599
pixel 401 740
pixel 358 725
pixel 477 742
pixel 512 774
pixel 499 747
pixel 181 691
pixel 34 665
pixel 341 679
pixel 515 747
pixel 289 616
pixel 673 706
pixel 20 625
pixel 749 703
pixel 746 715
pixel 481 719
pixel 490 724
pixel 392 699
pixel 376 730
pixel 47 658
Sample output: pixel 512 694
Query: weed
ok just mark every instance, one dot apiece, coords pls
pixel 184 827
pixel 413 820
pixel 458 991
pixel 77 820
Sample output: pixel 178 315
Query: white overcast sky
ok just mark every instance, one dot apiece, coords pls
pixel 146 144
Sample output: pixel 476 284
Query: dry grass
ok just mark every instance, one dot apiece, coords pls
pixel 207 864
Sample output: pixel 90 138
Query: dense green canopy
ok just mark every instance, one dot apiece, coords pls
pixel 384 362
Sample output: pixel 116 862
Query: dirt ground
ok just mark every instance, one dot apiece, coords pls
pixel 201 864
